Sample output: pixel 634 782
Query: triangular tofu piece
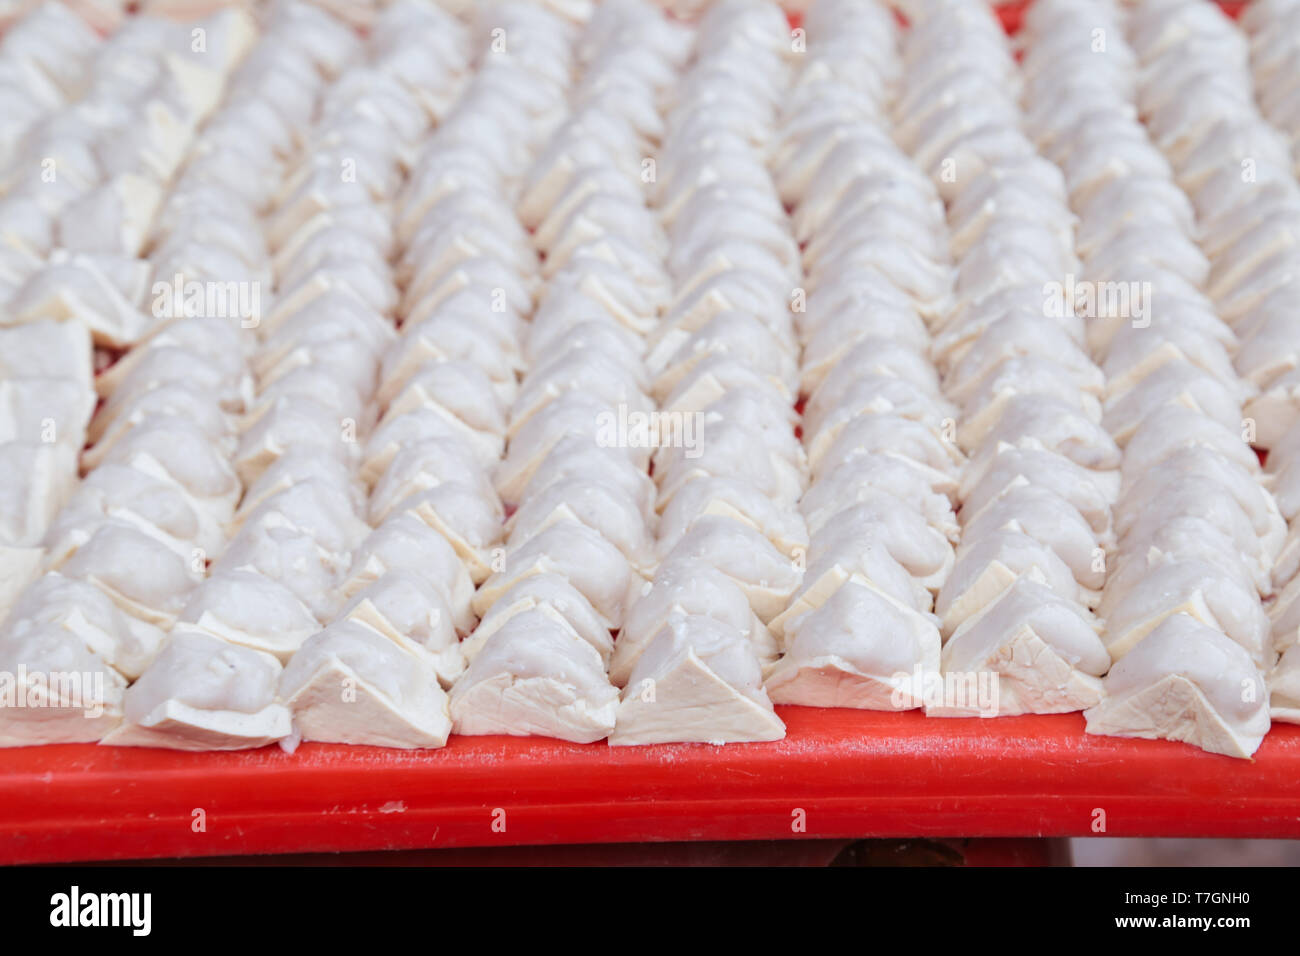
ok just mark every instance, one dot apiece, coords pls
pixel 251 610
pixel 352 685
pixel 1189 682
pixel 1284 688
pixel 1197 588
pixel 697 682
pixel 1041 649
pixel 682 587
pixel 832 681
pixel 549 594
pixel 84 704
pixel 1173 708
pixel 203 693
pixel 410 612
pixel 989 566
pixel 857 650
pixel 535 677
pixel 19 567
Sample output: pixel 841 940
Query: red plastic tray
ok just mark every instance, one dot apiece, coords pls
pixel 838 774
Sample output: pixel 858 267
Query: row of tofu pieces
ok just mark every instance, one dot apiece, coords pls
pixel 296 528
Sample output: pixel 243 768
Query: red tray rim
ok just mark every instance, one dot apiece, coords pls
pixel 838 774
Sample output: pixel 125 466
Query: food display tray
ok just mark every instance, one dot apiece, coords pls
pixel 838 774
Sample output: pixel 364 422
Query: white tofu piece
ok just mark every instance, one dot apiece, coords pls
pixel 873 394
pixel 1284 688
pixel 967 325
pixel 1018 336
pixel 766 576
pixel 576 457
pixel 318 385
pixel 1173 427
pixel 925 553
pixel 1185 681
pixel 483 272
pixel 714 378
pixel 202 693
pixel 58 690
pixel 534 676
pixel 1204 498
pixel 317 508
pixel 614 342
pixel 873 435
pixel 988 566
pixel 35 482
pixel 1043 648
pixel 1183 536
pixel 871 565
pixel 607 511
pixel 210 353
pixel 735 450
pixel 1135 354
pixel 172 399
pixel 572 414
pixel 872 355
pixel 46 348
pixel 552 595
pixel 747 240
pixel 856 650
pixel 176 450
pixel 468 517
pixel 918 488
pixel 594 375
pixel 1214 476
pixel 293 558
pixel 734 291
pixel 113 219
pixel 1042 379
pixel 155 506
pixel 684 587
pixel 1059 427
pixel 577 553
pixel 350 684
pixel 1091 493
pixel 294 422
pixel 735 499
pixel 444 338
pixel 1176 382
pixel 835 336
pixel 697 682
pixel 409 611
pixel 141 575
pixel 249 610
pixel 125 643
pixel 1046 517
pixel 1200 590
pixel 81 288
pixel 1009 253
pixel 404 543
pixel 1275 409
pixel 295 468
